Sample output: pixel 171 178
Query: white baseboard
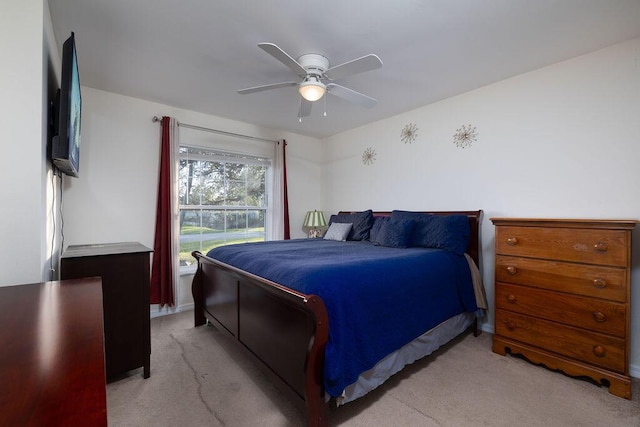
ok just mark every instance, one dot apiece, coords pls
pixel 156 311
pixel 634 371
pixel 485 327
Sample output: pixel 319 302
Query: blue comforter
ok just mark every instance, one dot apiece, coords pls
pixel 377 298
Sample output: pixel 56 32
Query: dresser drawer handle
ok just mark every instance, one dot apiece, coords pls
pixel 510 325
pixel 599 351
pixel 512 241
pixel 512 270
pixel 601 247
pixel 512 299
pixel 599 283
pixel 598 316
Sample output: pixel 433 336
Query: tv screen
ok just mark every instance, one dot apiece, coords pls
pixel 65 147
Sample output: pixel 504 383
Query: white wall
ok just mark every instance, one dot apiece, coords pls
pixel 562 141
pixel 114 199
pixel 23 118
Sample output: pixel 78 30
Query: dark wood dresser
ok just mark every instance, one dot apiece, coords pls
pixel 562 290
pixel 52 370
pixel 125 270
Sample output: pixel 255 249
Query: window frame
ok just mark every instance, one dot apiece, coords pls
pixel 224 156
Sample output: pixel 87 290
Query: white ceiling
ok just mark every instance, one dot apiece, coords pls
pixel 195 54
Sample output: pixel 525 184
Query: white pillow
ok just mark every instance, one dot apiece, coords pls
pixel 338 231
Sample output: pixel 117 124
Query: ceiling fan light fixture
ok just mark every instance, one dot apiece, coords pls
pixel 312 89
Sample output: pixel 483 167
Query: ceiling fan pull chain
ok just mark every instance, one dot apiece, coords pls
pixel 325 105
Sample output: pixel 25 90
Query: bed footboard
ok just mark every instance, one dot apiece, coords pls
pixel 285 330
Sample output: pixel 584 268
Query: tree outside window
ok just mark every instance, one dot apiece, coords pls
pixel 223 200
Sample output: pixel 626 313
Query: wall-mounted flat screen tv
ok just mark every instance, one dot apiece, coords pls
pixel 65 145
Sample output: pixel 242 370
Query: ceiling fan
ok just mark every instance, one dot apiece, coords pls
pixel 317 77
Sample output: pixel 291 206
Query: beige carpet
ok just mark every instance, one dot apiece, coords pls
pixel 200 378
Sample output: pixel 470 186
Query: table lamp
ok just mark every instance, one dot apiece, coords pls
pixel 314 221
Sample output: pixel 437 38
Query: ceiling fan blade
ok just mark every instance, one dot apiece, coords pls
pixel 305 108
pixel 351 95
pixel 266 87
pixel 360 65
pixel 283 57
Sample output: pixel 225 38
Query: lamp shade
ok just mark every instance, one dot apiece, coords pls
pixel 315 219
pixel 312 89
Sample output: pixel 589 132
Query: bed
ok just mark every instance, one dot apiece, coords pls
pixel 330 319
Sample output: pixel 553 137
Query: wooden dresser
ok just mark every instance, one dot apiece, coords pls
pixel 562 290
pixel 125 270
pixel 52 369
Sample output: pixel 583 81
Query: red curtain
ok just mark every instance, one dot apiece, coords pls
pixel 285 197
pixel 162 266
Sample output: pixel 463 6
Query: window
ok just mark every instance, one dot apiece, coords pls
pixel 223 199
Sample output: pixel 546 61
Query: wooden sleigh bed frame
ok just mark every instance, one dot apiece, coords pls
pixel 285 330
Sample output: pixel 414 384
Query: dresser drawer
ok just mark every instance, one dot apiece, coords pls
pixel 590 246
pixel 579 279
pixel 593 314
pixel 593 348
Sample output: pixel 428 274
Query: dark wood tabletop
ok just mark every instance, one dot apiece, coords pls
pixel 52 366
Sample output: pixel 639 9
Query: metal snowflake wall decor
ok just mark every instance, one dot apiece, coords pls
pixel 465 136
pixel 409 133
pixel 369 156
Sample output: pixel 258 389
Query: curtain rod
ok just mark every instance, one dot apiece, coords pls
pixel 221 132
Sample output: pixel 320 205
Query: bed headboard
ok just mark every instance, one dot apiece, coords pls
pixel 475 218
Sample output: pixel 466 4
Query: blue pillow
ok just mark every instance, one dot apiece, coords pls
pixel 448 232
pixel 362 223
pixel 378 222
pixel 395 233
